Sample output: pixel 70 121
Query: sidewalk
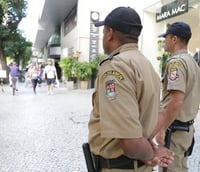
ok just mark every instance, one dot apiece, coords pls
pixel 44 133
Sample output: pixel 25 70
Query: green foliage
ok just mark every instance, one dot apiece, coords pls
pixel 19 49
pixel 83 70
pixel 26 56
pixel 95 64
pixel 16 12
pixel 11 14
pixel 163 62
pixel 160 44
pixel 67 65
pixel 165 55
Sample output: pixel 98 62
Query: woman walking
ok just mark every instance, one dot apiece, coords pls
pixel 34 77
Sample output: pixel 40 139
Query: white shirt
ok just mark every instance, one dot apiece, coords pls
pixel 50 71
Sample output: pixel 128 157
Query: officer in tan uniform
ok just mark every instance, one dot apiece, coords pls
pixel 181 95
pixel 125 101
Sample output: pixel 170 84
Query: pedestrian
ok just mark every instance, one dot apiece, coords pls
pixel 34 77
pixel 125 101
pixel 14 71
pixel 181 95
pixel 50 75
pixel 40 74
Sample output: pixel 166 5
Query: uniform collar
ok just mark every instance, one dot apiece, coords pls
pixel 126 47
pixel 183 51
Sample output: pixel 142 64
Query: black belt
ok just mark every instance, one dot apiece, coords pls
pixel 186 123
pixel 181 126
pixel 121 162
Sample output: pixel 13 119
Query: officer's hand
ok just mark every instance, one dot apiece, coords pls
pixel 160 137
pixel 153 162
pixel 162 157
pixel 165 155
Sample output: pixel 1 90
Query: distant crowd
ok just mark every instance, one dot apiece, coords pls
pixel 34 75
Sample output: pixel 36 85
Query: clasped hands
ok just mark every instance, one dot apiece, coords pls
pixel 162 157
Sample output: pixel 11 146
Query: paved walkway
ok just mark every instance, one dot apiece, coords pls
pixel 44 133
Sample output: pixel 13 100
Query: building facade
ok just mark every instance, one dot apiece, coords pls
pixel 66 26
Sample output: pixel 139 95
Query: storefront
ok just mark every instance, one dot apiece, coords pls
pixel 75 20
pixel 160 14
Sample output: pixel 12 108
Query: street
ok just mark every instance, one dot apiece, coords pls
pixel 44 133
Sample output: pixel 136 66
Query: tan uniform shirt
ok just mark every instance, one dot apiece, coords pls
pixel 125 101
pixel 183 74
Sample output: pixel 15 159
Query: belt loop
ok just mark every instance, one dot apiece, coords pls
pixel 97 162
pixel 135 164
pixel 108 163
pixel 191 122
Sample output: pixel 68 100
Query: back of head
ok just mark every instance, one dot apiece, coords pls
pixel 123 19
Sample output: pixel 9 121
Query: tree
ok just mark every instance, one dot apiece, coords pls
pixel 18 49
pixel 11 14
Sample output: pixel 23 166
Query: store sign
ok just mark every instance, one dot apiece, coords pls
pixel 172 9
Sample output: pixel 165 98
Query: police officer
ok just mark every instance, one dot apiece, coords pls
pixel 181 95
pixel 125 101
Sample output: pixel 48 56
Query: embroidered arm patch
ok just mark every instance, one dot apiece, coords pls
pixel 174 70
pixel 110 78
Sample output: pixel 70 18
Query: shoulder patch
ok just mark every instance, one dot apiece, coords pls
pixel 173 74
pixel 115 73
pixel 110 89
pixel 111 77
pixel 176 63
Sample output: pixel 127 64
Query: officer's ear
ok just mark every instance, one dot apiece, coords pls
pixel 108 33
pixel 175 38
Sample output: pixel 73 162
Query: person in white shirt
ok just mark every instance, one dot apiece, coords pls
pixel 50 75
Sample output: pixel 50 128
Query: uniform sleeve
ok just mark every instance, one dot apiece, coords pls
pixel 176 76
pixel 119 113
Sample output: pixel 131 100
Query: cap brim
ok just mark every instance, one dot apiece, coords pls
pixel 162 35
pixel 100 23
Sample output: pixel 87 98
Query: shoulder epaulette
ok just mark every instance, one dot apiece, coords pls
pixel 109 58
